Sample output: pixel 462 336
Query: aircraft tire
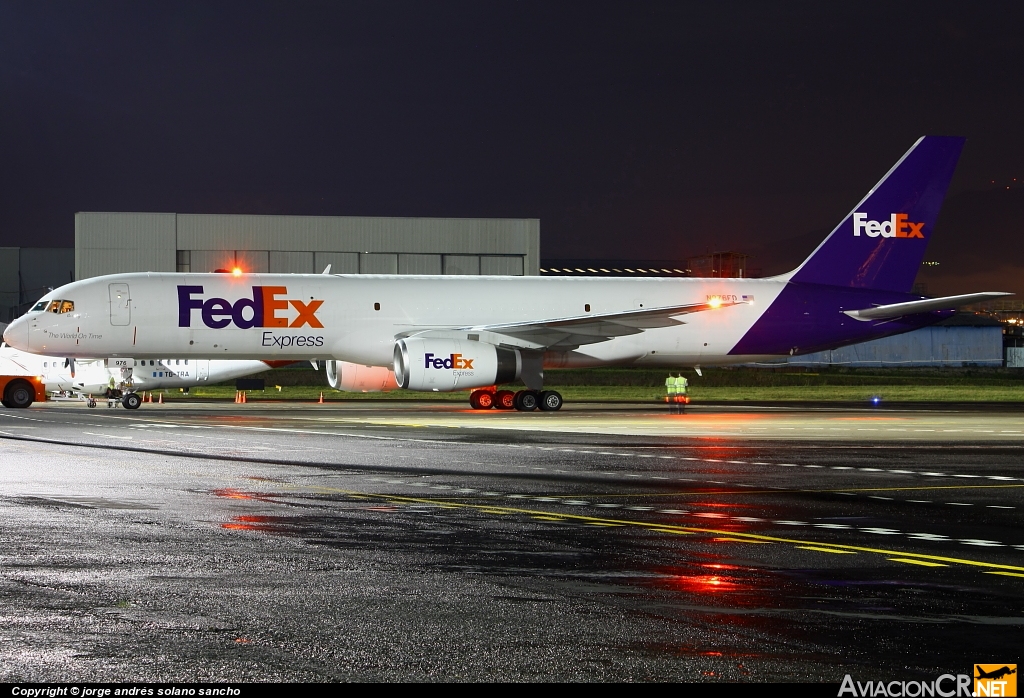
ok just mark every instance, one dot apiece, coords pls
pixel 481 399
pixel 504 400
pixel 18 394
pixel 525 401
pixel 131 401
pixel 550 401
pixel 4 403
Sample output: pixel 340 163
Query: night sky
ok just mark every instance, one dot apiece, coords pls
pixel 632 130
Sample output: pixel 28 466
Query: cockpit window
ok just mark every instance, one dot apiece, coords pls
pixel 41 305
pixel 58 306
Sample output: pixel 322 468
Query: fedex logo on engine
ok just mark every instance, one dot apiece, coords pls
pixel 455 361
pixel 264 309
pixel 896 227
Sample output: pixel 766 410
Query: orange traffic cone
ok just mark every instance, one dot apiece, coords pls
pixel 321 398
pixel 243 397
pixel 236 397
pixel 160 401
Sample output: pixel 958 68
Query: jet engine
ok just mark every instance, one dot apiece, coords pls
pixel 453 364
pixel 354 378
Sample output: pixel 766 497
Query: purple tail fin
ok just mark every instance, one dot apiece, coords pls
pixel 881 243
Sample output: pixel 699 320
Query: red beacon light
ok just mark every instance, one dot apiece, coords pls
pixel 237 271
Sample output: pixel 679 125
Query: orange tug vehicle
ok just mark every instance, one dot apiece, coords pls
pixel 21 391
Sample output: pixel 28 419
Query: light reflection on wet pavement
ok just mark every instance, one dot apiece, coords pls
pixel 301 550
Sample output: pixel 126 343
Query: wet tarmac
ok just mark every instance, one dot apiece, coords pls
pixel 380 541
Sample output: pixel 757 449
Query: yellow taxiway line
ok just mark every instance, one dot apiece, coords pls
pixel 895 555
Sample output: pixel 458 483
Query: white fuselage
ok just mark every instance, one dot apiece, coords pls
pixel 360 316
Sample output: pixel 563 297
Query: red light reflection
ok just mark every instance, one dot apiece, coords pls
pixel 264 524
pixel 706 584
pixel 232 493
pixel 721 566
pixel 716 582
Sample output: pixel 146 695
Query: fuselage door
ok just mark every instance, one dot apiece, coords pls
pixel 120 305
pixel 202 369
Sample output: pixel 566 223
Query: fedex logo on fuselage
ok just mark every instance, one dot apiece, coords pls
pixel 896 227
pixel 264 309
pixel 455 361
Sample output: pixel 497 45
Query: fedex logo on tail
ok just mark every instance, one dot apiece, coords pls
pixel 264 309
pixel 896 227
pixel 455 361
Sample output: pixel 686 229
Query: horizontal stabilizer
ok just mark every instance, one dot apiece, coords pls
pixel 886 312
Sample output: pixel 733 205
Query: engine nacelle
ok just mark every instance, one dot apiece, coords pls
pixel 354 378
pixel 453 364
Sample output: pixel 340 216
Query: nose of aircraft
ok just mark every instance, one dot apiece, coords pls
pixel 16 334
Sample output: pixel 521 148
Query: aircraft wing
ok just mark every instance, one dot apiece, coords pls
pixel 895 310
pixel 571 332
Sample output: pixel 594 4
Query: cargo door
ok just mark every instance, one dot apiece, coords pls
pixel 120 305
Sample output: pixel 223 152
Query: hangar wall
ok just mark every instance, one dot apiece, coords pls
pixel 108 243
pixel 951 345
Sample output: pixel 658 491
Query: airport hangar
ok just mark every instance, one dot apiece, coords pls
pixel 108 243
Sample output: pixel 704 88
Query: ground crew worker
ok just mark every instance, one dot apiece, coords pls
pixel 670 385
pixel 681 385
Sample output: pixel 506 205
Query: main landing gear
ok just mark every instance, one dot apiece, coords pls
pixel 523 400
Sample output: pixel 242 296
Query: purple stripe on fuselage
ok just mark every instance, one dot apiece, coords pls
pixel 805 318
